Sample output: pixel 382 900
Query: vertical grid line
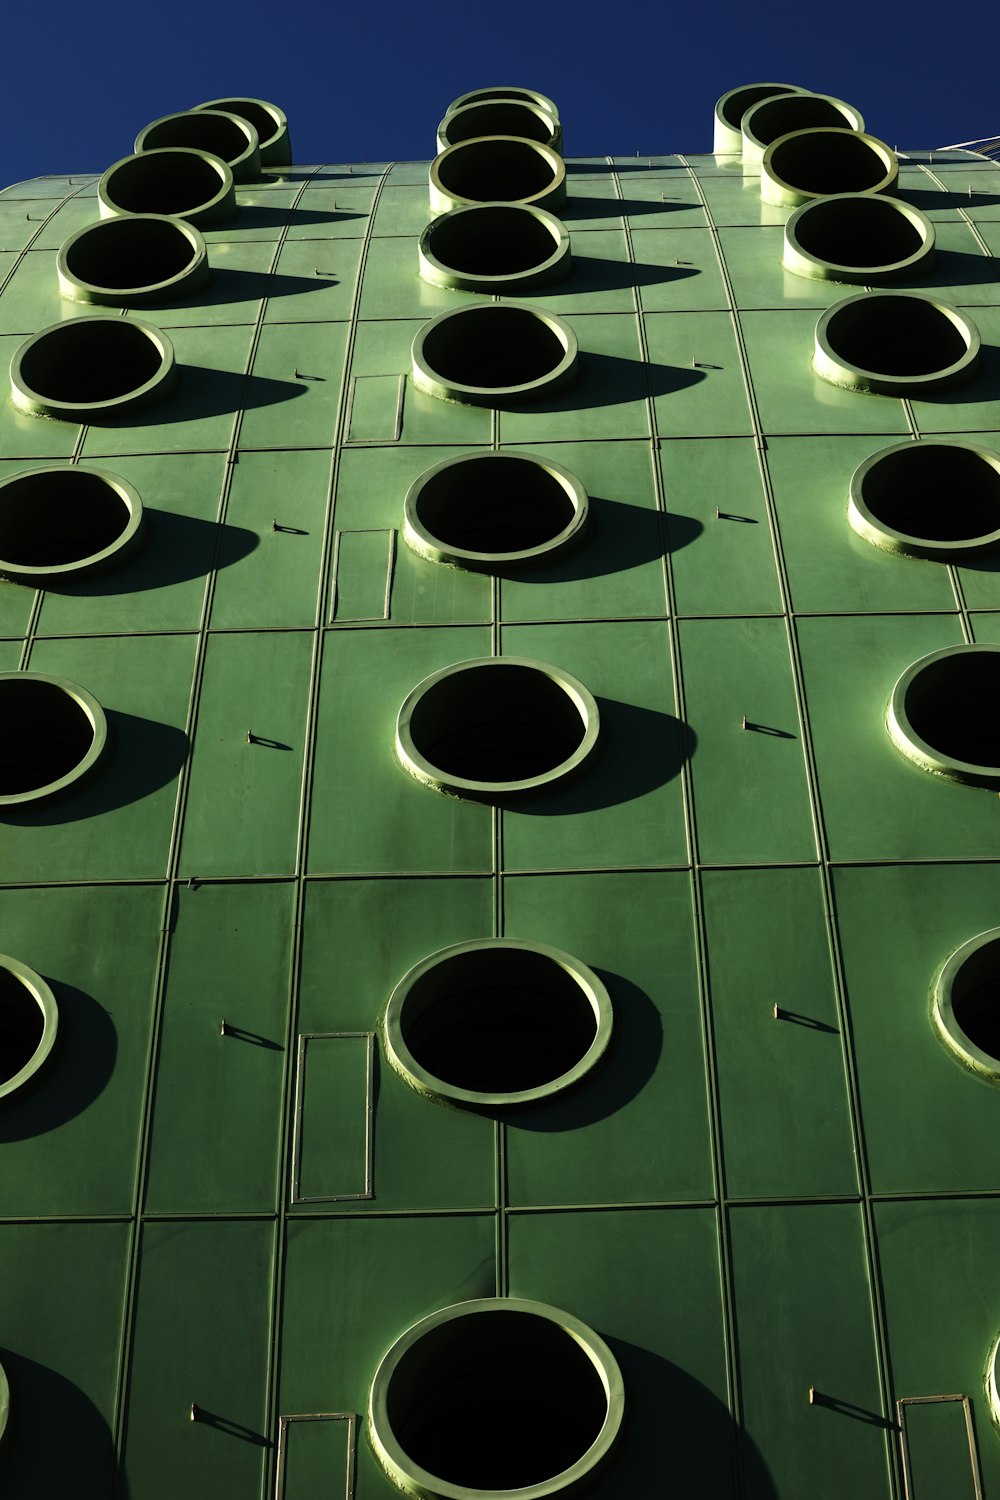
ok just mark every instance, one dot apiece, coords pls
pixel 305 808
pixel 880 1328
pixel 169 912
pixel 734 1393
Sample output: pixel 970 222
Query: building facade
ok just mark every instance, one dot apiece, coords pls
pixel 473 826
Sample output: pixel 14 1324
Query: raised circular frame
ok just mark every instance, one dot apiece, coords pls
pixel 16 979
pixel 132 259
pixel 497 169
pixel 948 702
pixel 500 498
pixel 494 247
pixel 929 499
pixel 461 713
pixel 808 164
pixel 175 181
pixel 469 355
pixel 966 986
pixel 63 720
pixel 517 117
pixel 993 1381
pixel 65 520
pixel 780 114
pixel 218 131
pixel 445 1357
pixel 91 367
pixel 858 237
pixel 730 107
pixel 895 343
pixel 503 91
pixel 4 1403
pixel 468 1010
pixel 270 123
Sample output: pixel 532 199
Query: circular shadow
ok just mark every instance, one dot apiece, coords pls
pixel 57 1442
pixel 78 1070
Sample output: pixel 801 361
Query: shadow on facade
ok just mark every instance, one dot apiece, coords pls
pixel 58 1443
pixel 75 1075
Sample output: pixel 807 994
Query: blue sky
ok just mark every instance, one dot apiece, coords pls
pixel 372 81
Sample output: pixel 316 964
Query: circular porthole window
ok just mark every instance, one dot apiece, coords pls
pixel 966 1001
pixel 4 1404
pixel 730 109
pixel 494 247
pixel 499 117
pixel 532 96
pixel 29 1021
pixel 177 180
pixel 60 522
pixel 944 714
pixel 779 115
pixel 269 122
pixel 214 130
pixel 497 169
pixel 91 367
pixel 993 1382
pixel 496 725
pixel 52 734
pixel 928 499
pixel 497 1024
pixel 855 237
pixel 485 509
pixel 895 343
pixel 497 1397
pixel 133 259
pixel 807 164
pixel 497 352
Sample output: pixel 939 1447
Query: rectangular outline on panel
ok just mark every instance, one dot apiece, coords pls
pixel 390 568
pixel 300 1074
pixel 970 1434
pixel 397 431
pixel 284 1423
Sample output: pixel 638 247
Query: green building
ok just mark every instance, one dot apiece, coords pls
pixel 499 834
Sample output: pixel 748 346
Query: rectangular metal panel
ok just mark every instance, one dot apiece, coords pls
pixel 334 1117
pixel 363 565
pixel 316 1456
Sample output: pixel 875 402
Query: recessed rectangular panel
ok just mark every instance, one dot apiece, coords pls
pixel 362 574
pixel 376 411
pixel 804 1324
pixel 334 1106
pixel 316 1452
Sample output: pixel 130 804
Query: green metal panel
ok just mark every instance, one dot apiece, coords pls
pixel 218 1093
pixel 699 390
pixel 804 1320
pixel 201 1332
pixel 239 282
pixel 637 1129
pixel 609 402
pixel 784 1071
pixel 64 1363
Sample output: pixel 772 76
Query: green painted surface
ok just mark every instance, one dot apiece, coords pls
pixel 743 1205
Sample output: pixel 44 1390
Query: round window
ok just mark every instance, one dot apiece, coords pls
pixel 494 247
pixel 269 122
pixel 730 109
pixel 808 164
pixel 487 509
pixel 132 259
pixel 497 1023
pixel 855 237
pixel 494 352
pixel 781 114
pixel 92 367
pixel 944 714
pixel 497 169
pixel 495 1397
pixel 61 522
pixel 928 499
pixel 214 130
pixel 895 343
pixel 176 180
pixel 29 1021
pixel 496 725
pixel 52 734
pixel 518 117
pixel 967 1004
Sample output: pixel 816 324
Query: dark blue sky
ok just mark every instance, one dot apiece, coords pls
pixel 372 81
